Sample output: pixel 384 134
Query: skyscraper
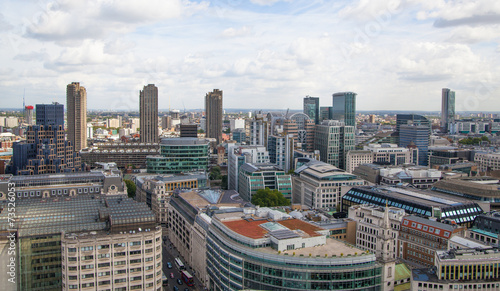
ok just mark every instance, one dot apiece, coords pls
pixel 344 108
pixel 148 107
pixel 311 108
pixel 447 108
pixel 50 114
pixel 334 140
pixel 213 109
pixel 418 135
pixel 76 103
pixel 28 114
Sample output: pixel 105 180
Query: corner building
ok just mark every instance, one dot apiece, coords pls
pixel 253 252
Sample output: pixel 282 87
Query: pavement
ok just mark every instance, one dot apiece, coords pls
pixel 169 254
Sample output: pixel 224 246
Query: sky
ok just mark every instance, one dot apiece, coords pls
pixel 395 54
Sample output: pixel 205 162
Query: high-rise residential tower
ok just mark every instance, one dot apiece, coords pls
pixel 148 108
pixel 447 108
pixel 213 109
pixel 76 103
pixel 344 108
pixel 28 114
pixel 311 108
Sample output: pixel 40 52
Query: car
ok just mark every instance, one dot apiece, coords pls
pixel 176 288
pixel 179 281
pixel 186 289
pixel 172 275
pixel 169 265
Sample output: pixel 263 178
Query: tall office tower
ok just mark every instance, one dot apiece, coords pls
pixel 148 107
pixel 447 108
pixel 280 149
pixel 334 140
pixel 404 119
pixel 302 128
pixel 28 114
pixel 50 114
pixel 325 113
pixel 76 105
pixel 213 109
pixel 311 108
pixel 419 136
pixel 344 108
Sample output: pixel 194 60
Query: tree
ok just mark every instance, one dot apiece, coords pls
pixel 130 188
pixel 215 173
pixel 224 182
pixel 269 198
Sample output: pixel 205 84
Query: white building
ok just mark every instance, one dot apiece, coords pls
pixel 420 177
pixel 356 158
pixel 124 260
pixel 11 121
pixel 113 122
pixel 390 153
pixel 320 185
pixel 487 161
pixel 239 155
pixel 237 123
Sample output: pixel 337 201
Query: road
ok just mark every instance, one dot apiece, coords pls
pixel 169 254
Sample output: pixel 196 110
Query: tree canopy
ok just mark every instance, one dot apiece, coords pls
pixel 130 188
pixel 215 173
pixel 269 198
pixel 473 140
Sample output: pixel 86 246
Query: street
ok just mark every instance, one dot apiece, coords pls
pixel 169 254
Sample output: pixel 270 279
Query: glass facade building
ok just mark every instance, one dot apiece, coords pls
pixel 344 108
pixel 418 135
pixel 447 108
pixel 179 155
pixel 311 108
pixel 334 140
pixel 237 262
pixel 253 177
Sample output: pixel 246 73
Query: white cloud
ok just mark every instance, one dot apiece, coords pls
pixel 232 32
pixel 266 2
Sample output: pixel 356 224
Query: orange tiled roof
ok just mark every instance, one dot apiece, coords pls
pixel 249 229
pixel 294 224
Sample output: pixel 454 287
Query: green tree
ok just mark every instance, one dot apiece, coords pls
pixel 130 188
pixel 224 182
pixel 269 198
pixel 215 173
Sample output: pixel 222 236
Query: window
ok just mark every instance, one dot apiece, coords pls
pixel 86 249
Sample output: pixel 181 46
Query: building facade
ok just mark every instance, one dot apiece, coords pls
pixel 447 108
pixel 419 136
pixel 239 155
pixel 344 108
pixel 148 107
pixel 320 185
pixel 50 114
pixel 487 161
pixel 252 177
pixel 354 158
pixel 213 111
pixel 179 155
pixel 123 154
pixel 334 140
pixel 76 106
pixel 280 149
pixel 311 108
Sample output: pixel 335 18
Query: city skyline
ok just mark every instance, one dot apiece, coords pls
pixel 258 52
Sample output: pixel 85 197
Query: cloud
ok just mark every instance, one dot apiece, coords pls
pixel 266 2
pixel 472 20
pixel 232 32
pixel 33 56
pixel 94 19
pixel 4 25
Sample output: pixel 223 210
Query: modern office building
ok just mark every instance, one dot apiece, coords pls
pixel 188 130
pixel 425 203
pixel 239 155
pixel 319 185
pixel 409 119
pixel 334 140
pixel 486 229
pixel 487 161
pixel 280 149
pixel 354 158
pixel 28 114
pixel 344 108
pixel 258 130
pixel 45 151
pixel 447 108
pixel 448 155
pixel 419 136
pixel 416 176
pixel 76 107
pixel 148 107
pixel 179 155
pixel 420 238
pixel 156 190
pixel 123 154
pixel 107 180
pixel 325 113
pixel 391 154
pixel 239 135
pixel 478 188
pixel 302 128
pixel 213 113
pixel 311 108
pixel 252 177
pixel 460 270
pixel 269 252
pixel 49 255
pixel 50 114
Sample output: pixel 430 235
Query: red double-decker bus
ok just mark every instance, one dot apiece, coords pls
pixel 187 278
